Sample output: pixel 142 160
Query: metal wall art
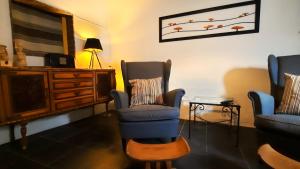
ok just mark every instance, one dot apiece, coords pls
pixel 232 19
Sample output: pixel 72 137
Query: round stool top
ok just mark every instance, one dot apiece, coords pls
pixel 158 152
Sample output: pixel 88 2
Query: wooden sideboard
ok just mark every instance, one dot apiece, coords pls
pixel 29 93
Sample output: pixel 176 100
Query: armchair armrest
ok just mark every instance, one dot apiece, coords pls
pixel 173 98
pixel 120 98
pixel 262 103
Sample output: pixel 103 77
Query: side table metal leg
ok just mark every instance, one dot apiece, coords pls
pixel 194 114
pixel 238 127
pixel 230 121
pixel 190 107
pixel 231 112
pixel 106 109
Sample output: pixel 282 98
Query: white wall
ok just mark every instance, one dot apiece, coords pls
pixel 220 66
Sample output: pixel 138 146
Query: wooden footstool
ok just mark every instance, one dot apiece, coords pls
pixel 158 152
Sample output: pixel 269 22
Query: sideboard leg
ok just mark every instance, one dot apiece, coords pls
pixel 94 111
pixel 106 107
pixel 12 133
pixel 24 137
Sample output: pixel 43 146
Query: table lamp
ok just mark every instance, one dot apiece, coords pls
pixel 93 45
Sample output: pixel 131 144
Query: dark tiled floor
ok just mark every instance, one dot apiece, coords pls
pixel 94 143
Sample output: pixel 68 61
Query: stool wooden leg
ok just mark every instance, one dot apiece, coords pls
pixel 169 164
pixel 157 165
pixel 148 165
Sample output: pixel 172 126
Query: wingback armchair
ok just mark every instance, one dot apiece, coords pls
pixel 147 121
pixel 265 105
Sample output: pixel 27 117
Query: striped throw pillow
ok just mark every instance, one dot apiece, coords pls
pixel 290 103
pixel 146 91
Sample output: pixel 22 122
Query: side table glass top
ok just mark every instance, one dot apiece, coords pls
pixel 212 100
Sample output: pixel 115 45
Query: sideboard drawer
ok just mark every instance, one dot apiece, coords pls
pixel 73 93
pixel 74 103
pixel 72 75
pixel 69 85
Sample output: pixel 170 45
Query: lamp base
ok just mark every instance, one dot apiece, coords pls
pixel 94 54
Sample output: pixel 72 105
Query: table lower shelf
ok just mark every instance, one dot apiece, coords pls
pixel 232 110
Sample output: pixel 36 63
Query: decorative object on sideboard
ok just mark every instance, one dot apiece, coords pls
pixel 20 57
pixel 3 56
pixel 59 60
pixel 93 45
pixel 232 19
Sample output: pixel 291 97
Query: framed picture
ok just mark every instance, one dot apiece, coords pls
pixel 38 29
pixel 232 19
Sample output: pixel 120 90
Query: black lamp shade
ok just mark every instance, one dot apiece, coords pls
pixel 92 44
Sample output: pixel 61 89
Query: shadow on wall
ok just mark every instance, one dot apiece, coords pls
pixel 238 82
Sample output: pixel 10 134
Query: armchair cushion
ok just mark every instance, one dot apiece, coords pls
pixel 146 91
pixel 141 113
pixel 282 118
pixel 290 103
pixel 282 122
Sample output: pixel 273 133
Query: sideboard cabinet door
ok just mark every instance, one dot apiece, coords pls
pixel 105 82
pixel 26 93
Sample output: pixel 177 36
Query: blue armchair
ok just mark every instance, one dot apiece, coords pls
pixel 265 105
pixel 147 121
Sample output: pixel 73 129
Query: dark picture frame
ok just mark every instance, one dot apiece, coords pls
pixel 32 30
pixel 179 27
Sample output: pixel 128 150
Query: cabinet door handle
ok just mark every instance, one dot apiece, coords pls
pixel 77 84
pixel 76 75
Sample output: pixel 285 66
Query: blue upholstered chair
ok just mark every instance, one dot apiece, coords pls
pixel 147 121
pixel 265 105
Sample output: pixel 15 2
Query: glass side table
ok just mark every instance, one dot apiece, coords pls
pixel 198 105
